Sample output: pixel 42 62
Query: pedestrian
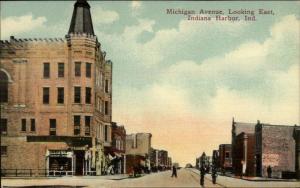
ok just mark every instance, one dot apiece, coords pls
pixel 214 174
pixel 269 171
pixel 174 172
pixel 202 174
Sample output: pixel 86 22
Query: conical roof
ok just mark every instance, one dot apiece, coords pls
pixel 81 19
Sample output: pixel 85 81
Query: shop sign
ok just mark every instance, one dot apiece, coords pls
pixel 58 153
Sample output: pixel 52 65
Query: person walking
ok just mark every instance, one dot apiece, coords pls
pixel 174 172
pixel 202 174
pixel 214 174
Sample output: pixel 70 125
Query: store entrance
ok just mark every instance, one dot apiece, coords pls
pixel 79 162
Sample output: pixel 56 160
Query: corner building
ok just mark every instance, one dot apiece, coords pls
pixel 56 102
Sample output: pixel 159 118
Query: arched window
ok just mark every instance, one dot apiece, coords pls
pixel 3 87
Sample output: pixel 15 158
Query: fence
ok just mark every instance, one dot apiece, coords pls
pixel 33 173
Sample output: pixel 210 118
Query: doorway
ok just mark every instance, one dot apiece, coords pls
pixel 79 162
pixel 258 165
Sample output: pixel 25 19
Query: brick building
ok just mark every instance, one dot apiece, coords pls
pixel 154 159
pixel 160 160
pixel 216 158
pixel 296 136
pixel 237 129
pixel 245 157
pixel 138 148
pixel 169 162
pixel 56 101
pixel 225 157
pixel 275 147
pixel 118 148
pixel 163 159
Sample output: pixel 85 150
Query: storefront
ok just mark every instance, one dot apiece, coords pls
pixel 60 162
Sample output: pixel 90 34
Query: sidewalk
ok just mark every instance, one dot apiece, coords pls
pixel 250 178
pixel 105 177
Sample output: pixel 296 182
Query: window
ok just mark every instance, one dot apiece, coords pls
pixel 226 154
pixel 88 95
pixel 134 144
pixel 3 87
pixel 60 95
pixel 46 70
pixel 87 125
pixel 76 125
pixel 52 127
pixel 106 108
pixel 3 150
pixel 32 127
pixel 46 92
pixel 77 68
pixel 97 104
pixel 77 94
pixel 3 127
pixel 106 86
pixel 23 125
pixel 61 69
pixel 88 70
pixel 106 133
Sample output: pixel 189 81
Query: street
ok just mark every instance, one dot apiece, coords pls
pixel 186 178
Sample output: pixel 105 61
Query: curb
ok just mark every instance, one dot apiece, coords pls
pixel 261 180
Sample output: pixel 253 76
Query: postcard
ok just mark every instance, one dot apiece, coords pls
pixel 150 93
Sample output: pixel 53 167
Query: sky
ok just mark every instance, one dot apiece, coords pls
pixel 181 80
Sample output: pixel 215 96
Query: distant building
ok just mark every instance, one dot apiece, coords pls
pixel 275 147
pixel 216 158
pixel 163 159
pixel 154 160
pixel 160 160
pixel 169 162
pixel 237 129
pixel 225 156
pixel 138 147
pixel 118 148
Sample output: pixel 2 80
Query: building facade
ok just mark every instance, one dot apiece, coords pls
pixel 56 101
pixel 225 157
pixel 138 148
pixel 118 148
pixel 275 147
pixel 216 159
pixel 245 154
pixel 296 136
pixel 237 129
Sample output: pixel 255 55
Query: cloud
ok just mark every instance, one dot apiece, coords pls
pixel 135 5
pixel 101 16
pixel 195 99
pixel 16 25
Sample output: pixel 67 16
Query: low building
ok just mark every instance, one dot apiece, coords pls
pixel 117 150
pixel 169 163
pixel 225 158
pixel 159 160
pixel 296 135
pixel 154 160
pixel 237 129
pixel 163 159
pixel 138 147
pixel 275 147
pixel 245 159
pixel 216 158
